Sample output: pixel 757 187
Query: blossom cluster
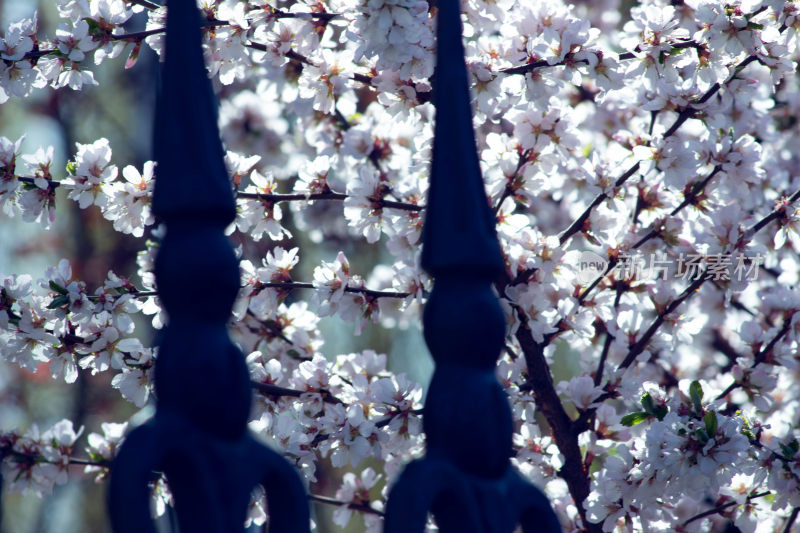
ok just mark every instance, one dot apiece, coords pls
pixel 667 132
pixel 58 323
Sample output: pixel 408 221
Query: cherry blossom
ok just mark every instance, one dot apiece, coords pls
pixel 660 143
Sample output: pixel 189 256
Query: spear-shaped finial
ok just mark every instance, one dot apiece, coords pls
pixel 465 479
pixel 459 230
pixel 198 437
pixel 186 139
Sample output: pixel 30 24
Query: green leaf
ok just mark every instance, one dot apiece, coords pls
pixel 94 26
pixel 710 420
pixel 696 394
pixel 789 450
pixel 648 404
pixel 701 435
pixel 94 456
pixel 634 418
pixel 650 407
pixel 58 288
pixel 58 302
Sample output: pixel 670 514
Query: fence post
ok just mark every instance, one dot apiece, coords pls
pixel 466 479
pixel 198 437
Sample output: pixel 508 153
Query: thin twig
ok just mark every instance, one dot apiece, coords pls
pixel 791 519
pixel 42 459
pixel 275 197
pixel 683 115
pixel 354 290
pixel 722 507
pixel 269 389
pixel 144 3
pixel 761 356
pixel 569 59
pixel 640 345
pixel 363 507
pixel 778 212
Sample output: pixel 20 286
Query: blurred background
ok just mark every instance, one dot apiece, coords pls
pixel 119 109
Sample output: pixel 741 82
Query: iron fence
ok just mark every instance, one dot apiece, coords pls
pixel 198 437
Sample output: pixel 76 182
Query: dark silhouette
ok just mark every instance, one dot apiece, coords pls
pixel 198 437
pixel 466 479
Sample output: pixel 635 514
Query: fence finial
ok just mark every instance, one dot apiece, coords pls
pixel 459 229
pixel 198 437
pixel 466 479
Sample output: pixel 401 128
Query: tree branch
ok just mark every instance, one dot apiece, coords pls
pixel 354 290
pixel 275 197
pixel 722 507
pixel 362 507
pixel 10 452
pixel 761 355
pixel 144 3
pixel 268 389
pixel 683 115
pixel 641 344
pixel 790 520
pixel 547 401
pixel 778 212
pixel 569 59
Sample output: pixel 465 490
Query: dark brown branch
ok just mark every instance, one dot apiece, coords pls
pixel 641 344
pixel 136 294
pixel 790 520
pixel 549 404
pixel 721 508
pixel 345 124
pixel 363 78
pixel 391 416
pixel 268 389
pixel 144 3
pixel 776 213
pixel 362 507
pixel 137 36
pixel 569 59
pixel 689 199
pixel 509 189
pixel 761 356
pixel 10 452
pixel 355 290
pixel 578 224
pixel 293 197
pixel 683 115
pixel 325 17
pixel 275 197
pixel 598 375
